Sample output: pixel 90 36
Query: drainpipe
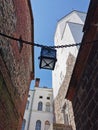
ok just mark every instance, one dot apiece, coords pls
pixel 30 111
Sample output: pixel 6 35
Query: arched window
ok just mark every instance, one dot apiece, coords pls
pixel 48 107
pixel 38 125
pixel 40 106
pixel 27 105
pixel 23 124
pixel 47 125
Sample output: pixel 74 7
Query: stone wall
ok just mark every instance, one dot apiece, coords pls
pixel 60 100
pixel 15 65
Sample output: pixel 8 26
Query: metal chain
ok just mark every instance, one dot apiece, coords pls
pixel 39 45
pixel 65 46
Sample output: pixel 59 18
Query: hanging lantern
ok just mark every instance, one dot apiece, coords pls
pixel 47 58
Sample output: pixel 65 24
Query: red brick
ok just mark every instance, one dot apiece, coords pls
pixel 15 66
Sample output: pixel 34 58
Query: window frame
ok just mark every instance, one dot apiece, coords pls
pixel 27 104
pixel 47 106
pixel 23 124
pixel 38 125
pixel 40 106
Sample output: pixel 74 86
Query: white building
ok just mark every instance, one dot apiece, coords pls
pixel 39 109
pixel 68 31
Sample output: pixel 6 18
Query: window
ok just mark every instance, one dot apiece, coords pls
pixel 23 124
pixel 38 125
pixel 47 125
pixel 27 105
pixel 66 119
pixel 40 96
pixel 40 106
pixel 48 107
pixel 48 98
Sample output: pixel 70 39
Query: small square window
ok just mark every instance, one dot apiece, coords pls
pixel 48 98
pixel 28 95
pixel 40 96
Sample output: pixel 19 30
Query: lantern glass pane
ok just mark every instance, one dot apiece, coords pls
pixel 47 52
pixel 47 63
pixel 47 58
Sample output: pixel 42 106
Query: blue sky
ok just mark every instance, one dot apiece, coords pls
pixel 46 14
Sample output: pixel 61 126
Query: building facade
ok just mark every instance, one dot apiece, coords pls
pixel 68 31
pixel 16 61
pixel 83 87
pixel 39 109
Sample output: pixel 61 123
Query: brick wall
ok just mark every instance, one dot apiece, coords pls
pixel 9 116
pixel 15 67
pixel 85 74
pixel 86 96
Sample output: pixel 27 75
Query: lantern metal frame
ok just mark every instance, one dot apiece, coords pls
pixel 47 58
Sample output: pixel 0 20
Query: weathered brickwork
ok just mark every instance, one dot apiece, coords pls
pixel 60 98
pixel 8 113
pixel 15 67
pixel 86 99
pixel 7 16
pixel 85 74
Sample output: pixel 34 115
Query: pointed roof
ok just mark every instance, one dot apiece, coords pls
pixel 73 17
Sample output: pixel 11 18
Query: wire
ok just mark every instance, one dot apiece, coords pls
pixel 65 46
pixel 39 45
